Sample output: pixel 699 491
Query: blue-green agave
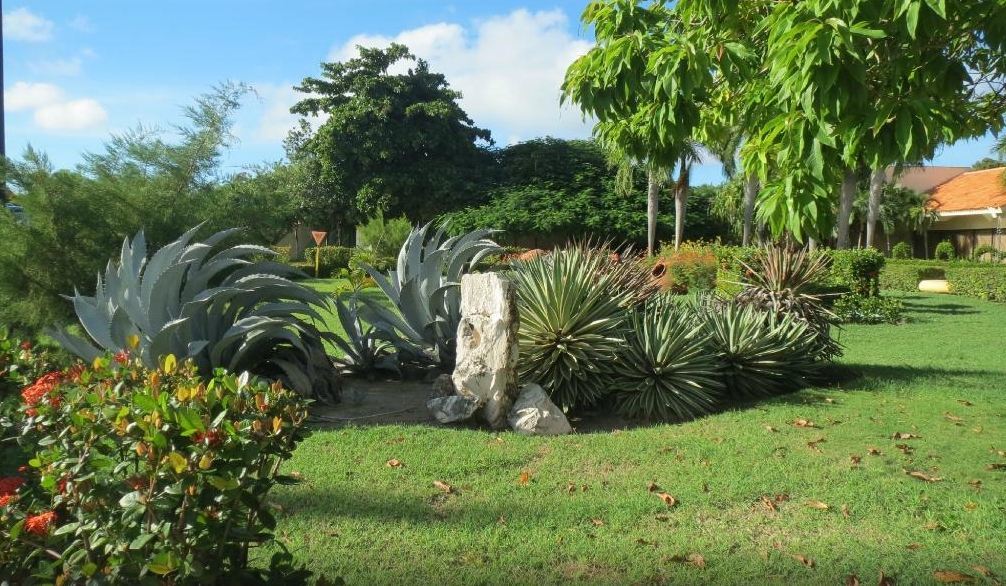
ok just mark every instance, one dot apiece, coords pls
pixel 213 305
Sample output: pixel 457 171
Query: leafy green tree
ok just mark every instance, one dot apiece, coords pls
pixel 987 163
pixel 397 143
pixel 261 200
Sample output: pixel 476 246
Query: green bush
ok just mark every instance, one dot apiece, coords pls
pixel 901 251
pixel 984 282
pixel 858 269
pixel 987 249
pixel 945 251
pixel 331 260
pixel 856 309
pixel 904 275
pixel 383 237
pixel 147 476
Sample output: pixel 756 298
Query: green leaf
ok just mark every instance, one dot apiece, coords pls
pixel 189 419
pixel 141 540
pixel 939 7
pixel 912 18
pixel 178 462
pixel 163 563
pixel 223 484
pixel 146 403
pixel 867 32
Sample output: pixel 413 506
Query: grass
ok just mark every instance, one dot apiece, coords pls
pixel 585 512
pixel 337 286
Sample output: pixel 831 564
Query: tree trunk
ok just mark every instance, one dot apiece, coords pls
pixel 846 199
pixel 877 179
pixel 681 204
pixel 652 209
pixel 751 187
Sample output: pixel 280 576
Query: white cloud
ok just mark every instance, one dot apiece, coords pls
pixel 509 69
pixel 276 120
pixel 24 25
pixel 51 110
pixel 82 114
pixel 25 95
pixel 81 23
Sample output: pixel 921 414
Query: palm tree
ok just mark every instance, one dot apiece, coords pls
pixel 688 156
pixel 656 179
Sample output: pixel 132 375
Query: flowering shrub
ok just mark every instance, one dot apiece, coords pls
pixel 138 476
pixel 692 268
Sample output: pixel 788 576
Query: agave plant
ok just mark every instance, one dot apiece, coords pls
pixel 213 306
pixel 425 289
pixel 779 281
pixel 573 307
pixel 364 351
pixel 760 352
pixel 665 370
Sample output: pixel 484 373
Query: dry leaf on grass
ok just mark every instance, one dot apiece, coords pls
pixel 996 466
pixel 852 580
pixel 845 510
pixel 922 476
pixel 652 487
pixel 768 504
pixel 818 505
pixel 441 485
pixel 524 478
pixel 597 522
pixel 905 448
pixel 803 559
pixel 914 546
pixel 813 444
pixel 965 402
pixel 975 484
pixel 694 559
pixel 933 526
pixel 983 571
pixel 952 577
pixel 772 429
pixel 951 417
pixel 855 459
pixel 668 500
pixel 885 580
pixel 873 451
pixel 970 505
pixel 393 463
pixel 901 435
pixel 803 423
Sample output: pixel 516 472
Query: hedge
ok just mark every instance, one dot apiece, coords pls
pixel 980 280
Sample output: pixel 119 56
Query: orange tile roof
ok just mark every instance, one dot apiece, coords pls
pixel 974 190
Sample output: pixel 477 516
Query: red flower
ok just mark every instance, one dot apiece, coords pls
pixel 44 386
pixel 39 524
pixel 210 437
pixel 122 356
pixel 10 484
pixel 26 345
pixel 61 485
pixel 75 372
pixel 7 499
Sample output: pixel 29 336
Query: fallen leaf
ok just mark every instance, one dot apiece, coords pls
pixel 851 580
pixel 585 487
pixel 818 505
pixel 873 451
pixel 923 476
pixel 970 506
pixel 901 435
pixel 983 571
pixel 933 526
pixel 501 520
pixel 829 401
pixel 393 463
pixel 524 478
pixel 905 448
pixel 642 541
pixel 975 484
pixel 803 560
pixel 813 444
pixel 803 423
pixel 693 558
pixel 597 522
pixel 768 504
pixel 443 486
pixel 570 488
pixel 772 429
pixel 669 500
pixel 855 459
pixel 996 466
pixel 885 580
pixel 1002 453
pixel 965 403
pixel 952 417
pixel 845 510
pixel 652 487
pixel 705 487
pixel 952 577
pixel 662 518
pixel 914 546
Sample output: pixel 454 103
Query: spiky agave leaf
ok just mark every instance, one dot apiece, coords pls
pixel 364 351
pixel 666 370
pixel 425 290
pixel 221 310
pixel 761 353
pixel 572 323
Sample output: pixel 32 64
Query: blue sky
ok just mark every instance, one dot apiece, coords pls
pixel 77 71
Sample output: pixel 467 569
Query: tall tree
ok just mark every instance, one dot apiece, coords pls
pixel 396 142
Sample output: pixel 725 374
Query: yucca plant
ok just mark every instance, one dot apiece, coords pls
pixel 779 280
pixel 573 308
pixel 665 370
pixel 364 350
pixel 760 352
pixel 425 290
pixel 213 305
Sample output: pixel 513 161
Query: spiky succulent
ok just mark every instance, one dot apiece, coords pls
pixel 425 290
pixel 364 350
pixel 760 353
pixel 779 280
pixel 665 369
pixel 572 305
pixel 212 305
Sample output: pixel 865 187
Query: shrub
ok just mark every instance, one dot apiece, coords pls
pixel 331 260
pixel 760 352
pixel 905 275
pixel 148 476
pixel 573 317
pixel 983 282
pixel 858 269
pixel 901 251
pixel 945 251
pixel 689 269
pixel 856 309
pixel 665 369
pixel 212 306
pixel 383 237
pixel 780 282
pixel 987 250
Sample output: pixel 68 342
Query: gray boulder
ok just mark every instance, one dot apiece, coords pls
pixel 533 413
pixel 452 409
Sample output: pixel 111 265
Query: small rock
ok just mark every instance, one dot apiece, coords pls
pixel 452 409
pixel 443 386
pixel 534 413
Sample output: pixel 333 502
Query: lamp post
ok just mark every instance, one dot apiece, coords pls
pixel 319 237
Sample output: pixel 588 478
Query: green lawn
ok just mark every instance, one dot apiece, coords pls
pixel 586 513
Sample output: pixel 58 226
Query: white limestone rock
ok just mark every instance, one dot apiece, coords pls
pixel 534 413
